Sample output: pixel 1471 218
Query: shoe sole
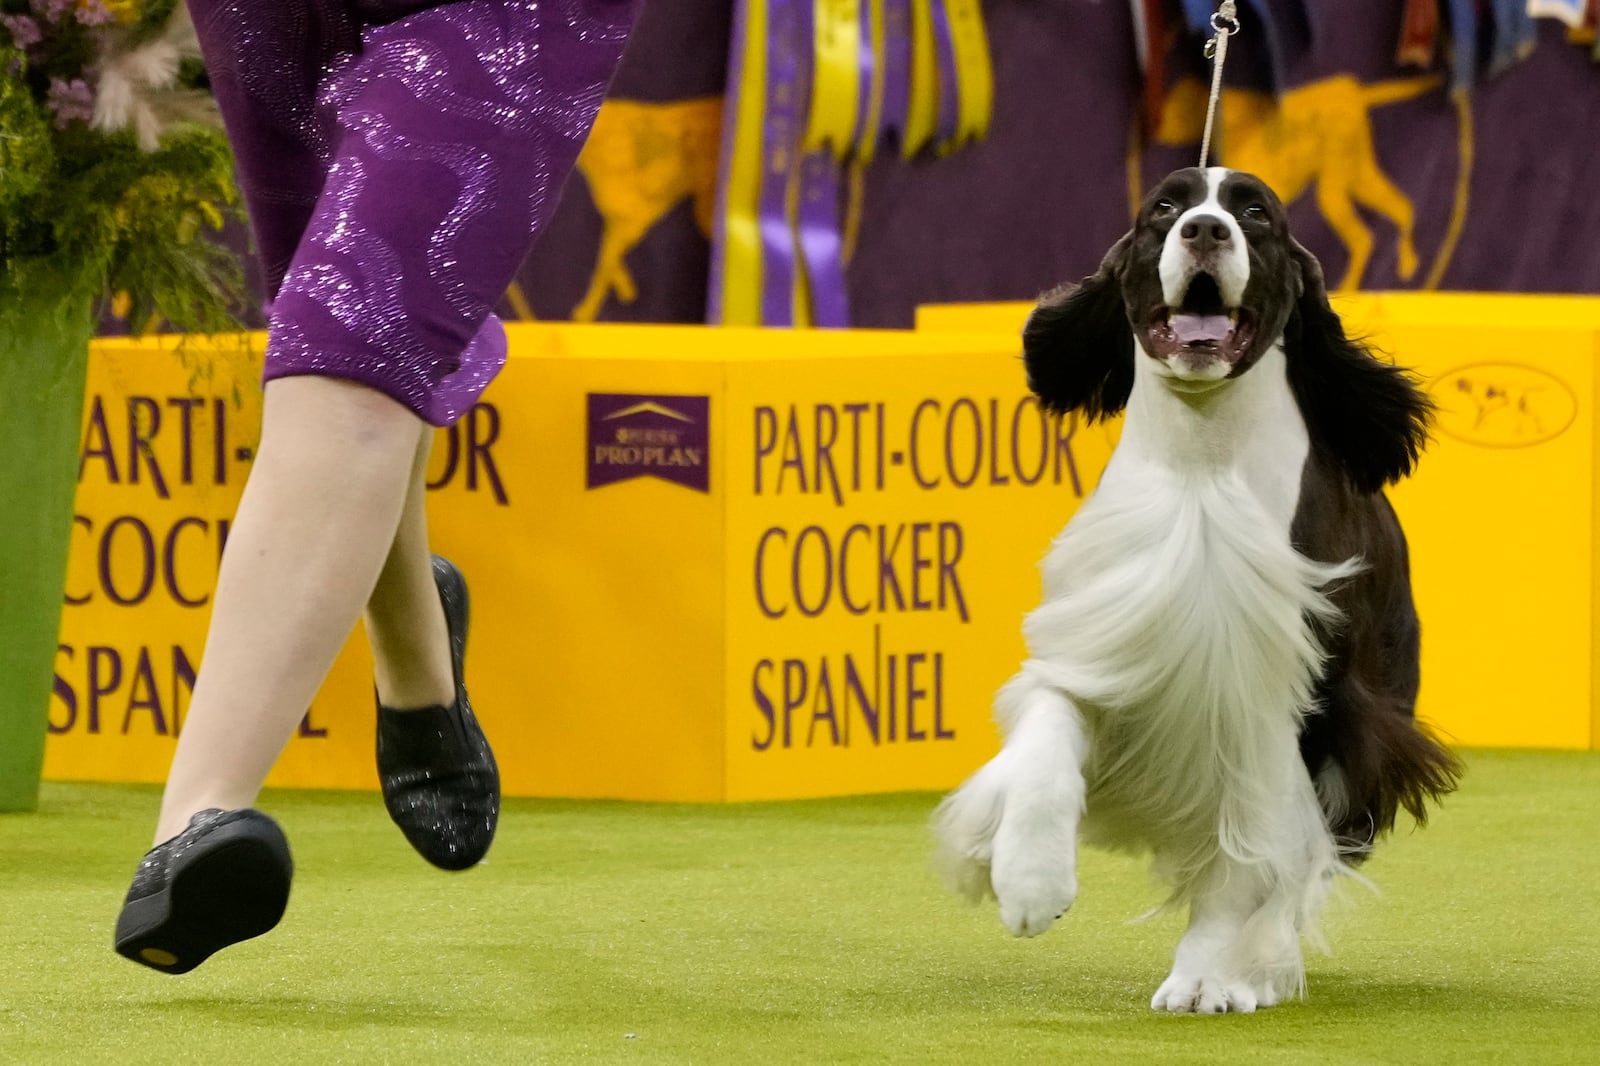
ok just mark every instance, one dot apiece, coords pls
pixel 231 887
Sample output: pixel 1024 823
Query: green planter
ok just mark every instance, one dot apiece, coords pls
pixel 44 350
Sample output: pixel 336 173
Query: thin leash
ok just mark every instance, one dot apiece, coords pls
pixel 1224 24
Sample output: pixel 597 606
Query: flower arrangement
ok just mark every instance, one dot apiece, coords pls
pixel 113 167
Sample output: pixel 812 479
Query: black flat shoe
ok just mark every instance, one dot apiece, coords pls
pixel 440 782
pixel 223 879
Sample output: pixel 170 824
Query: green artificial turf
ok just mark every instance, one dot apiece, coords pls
pixel 789 933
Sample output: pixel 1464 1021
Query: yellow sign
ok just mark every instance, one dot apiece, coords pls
pixel 732 564
pixel 705 564
pixel 884 523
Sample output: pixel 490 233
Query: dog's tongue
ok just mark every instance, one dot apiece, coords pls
pixel 1189 329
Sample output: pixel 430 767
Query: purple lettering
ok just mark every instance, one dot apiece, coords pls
pixel 950 546
pixel 878 411
pixel 766 419
pixel 869 708
pixel 797 566
pixel 1016 439
pixel 995 476
pixel 824 691
pixel 890 662
pixel 99 684
pixel 844 569
pixel 967 405
pixel 794 694
pixel 827 433
pixel 939 731
pixel 96 431
pixel 219 443
pixel 919 563
pixel 87 524
pixel 913 694
pixel 855 411
pixel 147 558
pixel 185 406
pixel 761 585
pixel 452 455
pixel 65 693
pixel 792 458
pixel 139 438
pixel 888 577
pixel 916 448
pixel 145 676
pixel 169 561
pixel 764 706
pixel 1068 422
pixel 478 449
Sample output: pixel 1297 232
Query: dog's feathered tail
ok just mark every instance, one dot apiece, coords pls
pixel 1392 763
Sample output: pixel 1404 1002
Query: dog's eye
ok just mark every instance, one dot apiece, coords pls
pixel 1163 207
pixel 1254 211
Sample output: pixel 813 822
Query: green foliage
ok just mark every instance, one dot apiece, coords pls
pixel 89 209
pixel 27 152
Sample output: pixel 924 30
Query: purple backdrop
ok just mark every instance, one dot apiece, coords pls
pixel 1042 198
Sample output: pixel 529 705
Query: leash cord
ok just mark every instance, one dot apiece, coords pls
pixel 1224 24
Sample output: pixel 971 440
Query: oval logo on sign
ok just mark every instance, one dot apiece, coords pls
pixel 1503 405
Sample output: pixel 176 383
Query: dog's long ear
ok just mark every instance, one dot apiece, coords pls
pixel 1078 346
pixel 1368 416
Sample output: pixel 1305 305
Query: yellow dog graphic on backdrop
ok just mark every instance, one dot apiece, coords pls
pixel 642 160
pixel 1318 133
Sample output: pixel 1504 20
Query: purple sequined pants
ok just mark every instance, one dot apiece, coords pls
pixel 398 159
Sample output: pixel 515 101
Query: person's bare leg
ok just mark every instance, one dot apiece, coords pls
pixel 315 525
pixel 436 769
pixel 405 621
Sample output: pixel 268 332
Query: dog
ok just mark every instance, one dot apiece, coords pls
pixel 1225 663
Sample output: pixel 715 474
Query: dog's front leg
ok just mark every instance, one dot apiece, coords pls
pixel 1012 828
pixel 1242 948
pixel 1035 871
pixel 1209 973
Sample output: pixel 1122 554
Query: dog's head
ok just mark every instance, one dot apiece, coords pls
pixel 1206 283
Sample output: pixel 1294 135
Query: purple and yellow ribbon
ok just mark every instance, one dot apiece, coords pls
pixel 1514 34
pixel 814 88
pixel 733 294
pixel 1463 44
pixel 972 70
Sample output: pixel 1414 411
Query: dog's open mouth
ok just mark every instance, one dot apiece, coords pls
pixel 1202 329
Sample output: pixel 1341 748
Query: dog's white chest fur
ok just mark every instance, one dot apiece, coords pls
pixel 1176 615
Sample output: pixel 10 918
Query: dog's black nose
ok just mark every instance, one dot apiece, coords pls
pixel 1205 232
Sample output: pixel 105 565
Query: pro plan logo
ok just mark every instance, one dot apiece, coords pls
pixel 668 437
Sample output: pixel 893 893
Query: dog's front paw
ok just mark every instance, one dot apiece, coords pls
pixel 1032 891
pixel 1183 994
